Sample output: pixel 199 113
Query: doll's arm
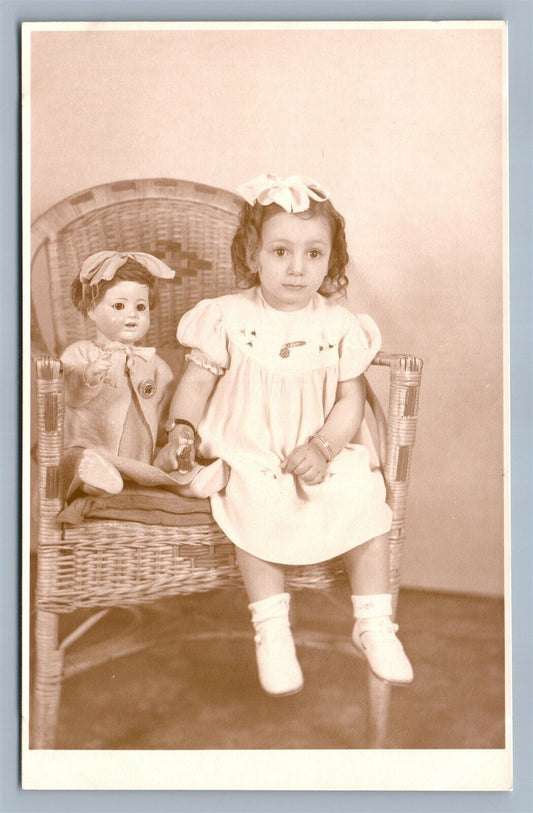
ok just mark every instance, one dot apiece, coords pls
pixel 95 372
pixel 309 461
pixel 85 371
pixel 188 404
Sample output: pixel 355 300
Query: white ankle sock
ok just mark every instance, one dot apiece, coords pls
pixel 276 606
pixel 376 605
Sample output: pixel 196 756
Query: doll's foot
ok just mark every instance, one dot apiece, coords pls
pixel 98 475
pixel 205 480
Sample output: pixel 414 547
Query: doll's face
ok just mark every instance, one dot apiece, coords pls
pixel 293 259
pixel 123 313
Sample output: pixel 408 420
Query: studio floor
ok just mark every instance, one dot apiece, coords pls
pixel 180 674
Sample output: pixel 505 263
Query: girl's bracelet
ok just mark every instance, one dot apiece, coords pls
pixel 326 446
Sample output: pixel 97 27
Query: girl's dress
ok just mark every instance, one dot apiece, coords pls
pixel 279 372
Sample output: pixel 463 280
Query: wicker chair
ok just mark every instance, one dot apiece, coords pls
pixel 106 563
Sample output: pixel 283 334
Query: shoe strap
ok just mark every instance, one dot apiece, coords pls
pixel 382 626
pixel 276 634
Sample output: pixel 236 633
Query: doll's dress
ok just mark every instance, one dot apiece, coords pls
pixel 278 374
pixel 121 414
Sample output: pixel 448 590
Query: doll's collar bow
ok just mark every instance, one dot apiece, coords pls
pixel 131 351
pixel 104 264
pixel 293 193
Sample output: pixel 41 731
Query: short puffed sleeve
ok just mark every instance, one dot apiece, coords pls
pixel 358 346
pixel 202 331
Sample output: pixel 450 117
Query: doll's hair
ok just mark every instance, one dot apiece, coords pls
pixel 85 296
pixel 247 243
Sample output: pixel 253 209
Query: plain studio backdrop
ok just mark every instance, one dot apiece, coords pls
pixel 406 127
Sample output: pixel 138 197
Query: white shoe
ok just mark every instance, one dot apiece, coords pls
pixel 277 664
pixel 376 639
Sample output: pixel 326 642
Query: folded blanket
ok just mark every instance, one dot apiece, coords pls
pixel 143 473
pixel 151 506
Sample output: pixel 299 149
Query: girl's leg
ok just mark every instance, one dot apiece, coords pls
pixel 277 665
pixel 374 634
pixel 261 579
pixel 368 566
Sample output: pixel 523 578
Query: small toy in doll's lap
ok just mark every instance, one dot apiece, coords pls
pixel 116 393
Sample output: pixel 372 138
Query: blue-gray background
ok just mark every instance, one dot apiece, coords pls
pixel 519 14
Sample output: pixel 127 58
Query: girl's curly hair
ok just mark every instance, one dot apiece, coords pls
pixel 85 296
pixel 247 243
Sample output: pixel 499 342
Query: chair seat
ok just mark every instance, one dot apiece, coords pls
pixel 106 563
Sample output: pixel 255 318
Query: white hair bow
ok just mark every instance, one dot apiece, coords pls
pixel 105 264
pixel 293 193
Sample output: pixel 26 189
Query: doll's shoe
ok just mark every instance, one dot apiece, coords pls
pixel 97 475
pixel 204 481
pixel 376 639
pixel 277 665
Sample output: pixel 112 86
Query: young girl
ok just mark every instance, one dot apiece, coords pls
pixel 274 386
pixel 117 393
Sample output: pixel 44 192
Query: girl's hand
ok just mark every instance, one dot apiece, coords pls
pixel 306 462
pixel 96 370
pixel 179 453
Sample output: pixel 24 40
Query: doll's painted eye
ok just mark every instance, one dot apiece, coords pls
pixel 118 306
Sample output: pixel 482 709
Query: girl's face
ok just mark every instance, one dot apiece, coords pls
pixel 293 259
pixel 123 313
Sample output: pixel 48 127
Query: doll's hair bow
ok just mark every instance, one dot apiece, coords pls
pixel 292 193
pixel 104 265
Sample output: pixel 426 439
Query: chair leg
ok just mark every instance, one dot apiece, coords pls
pixel 379 694
pixel 47 680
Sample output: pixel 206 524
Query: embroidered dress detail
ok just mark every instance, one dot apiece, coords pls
pixel 286 349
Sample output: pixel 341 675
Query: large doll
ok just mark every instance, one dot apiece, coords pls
pixel 116 393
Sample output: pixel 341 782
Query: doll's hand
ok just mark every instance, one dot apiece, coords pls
pixel 96 370
pixel 179 453
pixel 307 463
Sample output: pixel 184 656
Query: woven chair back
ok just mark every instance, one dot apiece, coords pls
pixel 189 226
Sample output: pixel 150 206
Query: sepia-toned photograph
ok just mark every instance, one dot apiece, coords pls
pixel 266 419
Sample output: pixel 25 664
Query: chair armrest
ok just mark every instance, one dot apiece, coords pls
pixel 50 413
pixel 401 361
pixel 405 378
pixel 50 403
pixel 401 366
